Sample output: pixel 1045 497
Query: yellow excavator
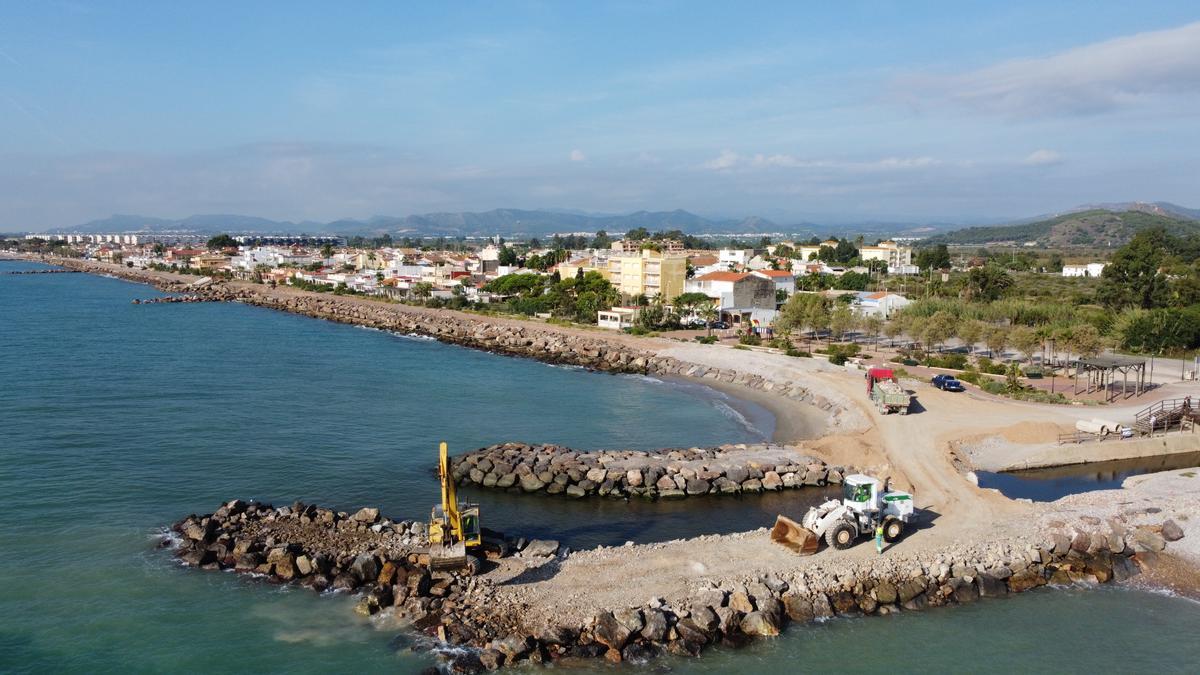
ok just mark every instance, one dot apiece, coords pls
pixel 453 528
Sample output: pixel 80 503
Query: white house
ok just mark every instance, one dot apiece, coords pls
pixel 882 304
pixel 784 280
pixel 617 318
pixel 735 256
pixel 1088 270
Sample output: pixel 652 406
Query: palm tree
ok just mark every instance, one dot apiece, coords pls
pixel 709 314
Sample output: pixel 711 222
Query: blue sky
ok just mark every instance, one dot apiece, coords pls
pixel 848 111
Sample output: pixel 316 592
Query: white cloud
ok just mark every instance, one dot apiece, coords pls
pixel 578 156
pixel 729 160
pixel 1042 157
pixel 726 160
pixel 1091 79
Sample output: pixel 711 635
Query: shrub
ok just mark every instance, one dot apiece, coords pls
pixel 994 387
pixel 781 343
pixel 990 367
pixel 840 353
pixel 973 377
pixel 638 330
pixel 706 339
pixel 798 352
pixel 742 347
pixel 951 361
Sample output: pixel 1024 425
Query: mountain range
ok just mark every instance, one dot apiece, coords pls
pixel 1092 228
pixel 544 222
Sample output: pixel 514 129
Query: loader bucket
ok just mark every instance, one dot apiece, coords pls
pixel 794 536
pixel 448 557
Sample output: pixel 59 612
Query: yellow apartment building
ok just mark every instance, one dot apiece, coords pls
pixel 648 272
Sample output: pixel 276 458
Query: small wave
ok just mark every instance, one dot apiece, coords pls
pixel 732 413
pixel 415 336
pixel 646 378
pixel 564 366
pixel 172 539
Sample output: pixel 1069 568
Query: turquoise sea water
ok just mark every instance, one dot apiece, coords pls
pixel 117 419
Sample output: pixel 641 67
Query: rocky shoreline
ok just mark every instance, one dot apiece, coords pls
pixel 658 474
pixel 384 562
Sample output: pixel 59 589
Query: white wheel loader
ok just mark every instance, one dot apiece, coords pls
pixel 864 506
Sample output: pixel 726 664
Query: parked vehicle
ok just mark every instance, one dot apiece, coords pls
pixel 718 324
pixel 885 391
pixel 947 383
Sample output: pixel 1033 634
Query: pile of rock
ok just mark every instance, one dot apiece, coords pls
pixel 172 299
pixel 658 474
pixel 385 562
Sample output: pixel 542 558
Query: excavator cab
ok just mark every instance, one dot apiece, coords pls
pixel 453 528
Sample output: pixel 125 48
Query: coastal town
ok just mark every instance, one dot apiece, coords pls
pixel 651 337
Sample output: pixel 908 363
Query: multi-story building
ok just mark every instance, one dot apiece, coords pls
pixel 649 273
pixel 891 253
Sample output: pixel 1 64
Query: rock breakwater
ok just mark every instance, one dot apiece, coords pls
pixel 658 474
pixel 384 562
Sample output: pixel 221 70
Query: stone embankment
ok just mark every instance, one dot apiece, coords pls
pixel 19 272
pixel 171 299
pixel 657 474
pixel 589 349
pixel 384 562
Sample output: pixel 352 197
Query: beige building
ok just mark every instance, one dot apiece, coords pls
pixel 648 272
pixel 889 251
pixel 569 270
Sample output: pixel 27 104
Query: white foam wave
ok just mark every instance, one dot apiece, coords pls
pixel 733 414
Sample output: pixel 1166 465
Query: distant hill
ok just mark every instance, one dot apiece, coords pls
pixel 1094 228
pixel 466 223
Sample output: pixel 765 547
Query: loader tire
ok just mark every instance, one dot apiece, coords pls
pixel 841 536
pixel 893 529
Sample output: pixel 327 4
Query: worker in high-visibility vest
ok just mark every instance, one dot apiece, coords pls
pixel 879 538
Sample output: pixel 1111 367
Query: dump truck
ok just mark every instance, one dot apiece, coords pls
pixel 454 528
pixel 865 505
pixel 884 389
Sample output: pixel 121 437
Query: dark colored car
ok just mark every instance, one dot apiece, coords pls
pixel 718 324
pixel 947 383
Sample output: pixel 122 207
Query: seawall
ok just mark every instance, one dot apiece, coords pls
pixel 381 560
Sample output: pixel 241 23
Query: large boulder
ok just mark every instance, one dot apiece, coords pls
pixel 366 515
pixel 1171 531
pixel 1146 539
pixel 656 626
pixel 540 548
pixel 610 632
pixel 365 567
pixel 798 607
pixel 759 624
pixel 530 483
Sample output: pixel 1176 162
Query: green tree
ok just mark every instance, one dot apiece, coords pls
pixel 602 240
pixel 637 234
pixel 987 283
pixel 841 321
pixel 996 339
pixel 422 289
pixel 1133 278
pixel 222 241
pixel 508 256
pixel 872 324
pixel 970 332
pixel 936 258
pixel 939 328
pixel 1025 340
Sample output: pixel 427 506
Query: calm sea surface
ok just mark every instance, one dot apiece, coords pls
pixel 117 419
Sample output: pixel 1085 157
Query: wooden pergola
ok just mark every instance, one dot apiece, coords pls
pixel 1102 371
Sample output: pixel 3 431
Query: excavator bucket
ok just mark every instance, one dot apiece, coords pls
pixel 794 536
pixel 448 557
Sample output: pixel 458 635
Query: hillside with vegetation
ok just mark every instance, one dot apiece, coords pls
pixel 1096 228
